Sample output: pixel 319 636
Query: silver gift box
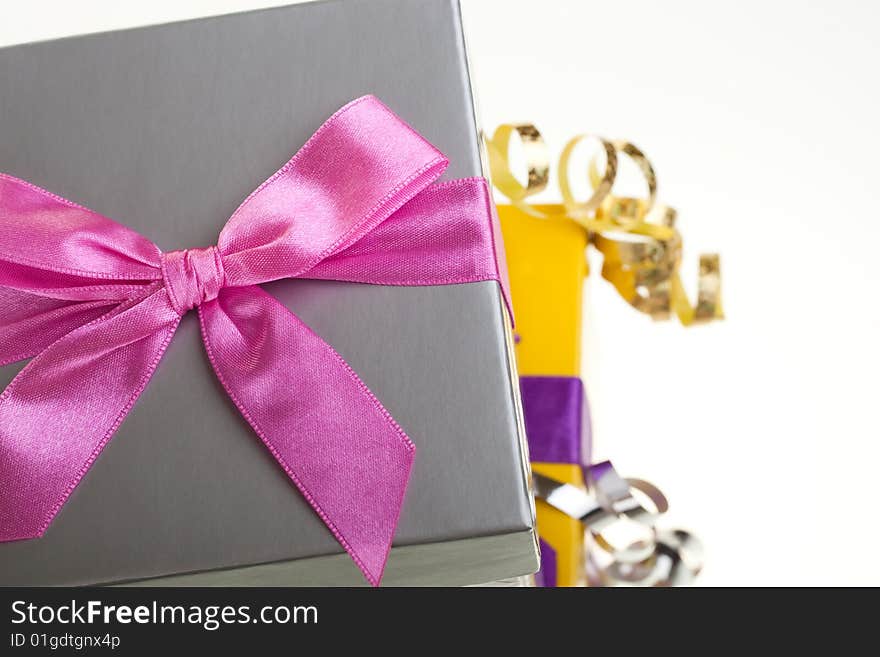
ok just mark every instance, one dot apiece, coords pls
pixel 166 129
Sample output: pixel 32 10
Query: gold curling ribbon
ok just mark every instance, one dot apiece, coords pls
pixel 537 163
pixel 638 239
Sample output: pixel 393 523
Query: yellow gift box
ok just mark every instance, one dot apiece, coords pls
pixel 546 252
pixel 547 265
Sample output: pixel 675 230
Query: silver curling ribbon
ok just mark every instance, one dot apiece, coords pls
pixel 625 548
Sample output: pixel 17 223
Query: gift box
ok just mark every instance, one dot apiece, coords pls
pixel 547 264
pixel 641 250
pixel 166 129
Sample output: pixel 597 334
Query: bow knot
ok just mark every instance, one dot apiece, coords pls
pixel 192 277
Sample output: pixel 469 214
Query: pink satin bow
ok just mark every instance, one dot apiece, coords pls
pixel 97 304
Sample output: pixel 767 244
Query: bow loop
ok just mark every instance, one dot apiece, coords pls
pixel 360 167
pixel 54 236
pixel 62 266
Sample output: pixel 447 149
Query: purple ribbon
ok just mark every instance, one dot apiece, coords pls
pixel 557 419
pixel 558 430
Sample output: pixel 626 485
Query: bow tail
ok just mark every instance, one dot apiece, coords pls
pixel 63 407
pixel 328 432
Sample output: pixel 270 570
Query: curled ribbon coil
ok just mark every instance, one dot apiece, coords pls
pixel 537 160
pixel 637 237
pixel 613 507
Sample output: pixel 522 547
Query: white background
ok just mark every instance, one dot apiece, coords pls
pixel 761 120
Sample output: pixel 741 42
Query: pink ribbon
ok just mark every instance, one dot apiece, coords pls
pixel 96 305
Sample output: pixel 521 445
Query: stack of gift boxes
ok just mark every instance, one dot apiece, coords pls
pixel 166 129
pixel 547 245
